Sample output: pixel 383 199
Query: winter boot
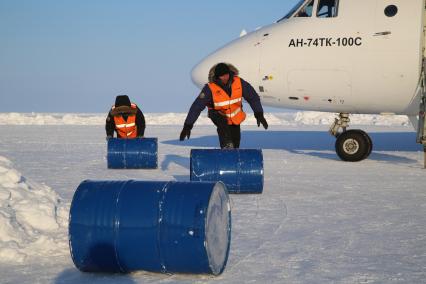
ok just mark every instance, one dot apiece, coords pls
pixel 228 145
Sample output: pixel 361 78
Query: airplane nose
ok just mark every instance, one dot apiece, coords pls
pixel 236 53
pixel 199 74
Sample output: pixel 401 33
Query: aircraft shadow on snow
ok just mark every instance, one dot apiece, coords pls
pixel 313 143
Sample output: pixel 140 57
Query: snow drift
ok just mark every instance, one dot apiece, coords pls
pixel 284 118
pixel 33 219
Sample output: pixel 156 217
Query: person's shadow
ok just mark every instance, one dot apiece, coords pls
pixel 178 160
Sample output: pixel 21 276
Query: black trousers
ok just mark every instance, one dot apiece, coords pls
pixel 227 133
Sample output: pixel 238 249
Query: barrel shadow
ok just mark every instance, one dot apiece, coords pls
pixel 73 275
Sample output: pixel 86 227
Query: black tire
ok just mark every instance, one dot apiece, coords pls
pixel 370 143
pixel 353 145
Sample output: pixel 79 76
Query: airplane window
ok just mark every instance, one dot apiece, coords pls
pixel 327 8
pixel 391 10
pixel 293 10
pixel 306 11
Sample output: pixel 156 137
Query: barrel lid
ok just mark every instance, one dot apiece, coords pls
pixel 218 228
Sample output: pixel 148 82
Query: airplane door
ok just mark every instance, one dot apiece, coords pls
pixel 387 25
pixel 397 48
pixel 270 77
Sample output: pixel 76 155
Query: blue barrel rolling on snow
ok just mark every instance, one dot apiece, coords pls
pixel 124 226
pixel 137 153
pixel 241 170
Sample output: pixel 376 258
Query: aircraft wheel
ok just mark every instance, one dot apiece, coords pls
pixel 353 145
pixel 370 143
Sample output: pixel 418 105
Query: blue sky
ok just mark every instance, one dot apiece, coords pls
pixel 76 56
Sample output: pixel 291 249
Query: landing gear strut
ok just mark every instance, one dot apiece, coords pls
pixel 351 145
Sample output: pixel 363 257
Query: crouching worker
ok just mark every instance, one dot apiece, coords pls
pixel 223 97
pixel 126 119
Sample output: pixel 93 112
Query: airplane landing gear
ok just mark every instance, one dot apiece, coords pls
pixel 351 145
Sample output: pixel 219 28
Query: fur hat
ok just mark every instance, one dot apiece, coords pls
pixel 221 69
pixel 122 101
pixel 212 73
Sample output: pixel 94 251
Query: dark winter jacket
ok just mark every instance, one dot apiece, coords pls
pixel 140 122
pixel 205 98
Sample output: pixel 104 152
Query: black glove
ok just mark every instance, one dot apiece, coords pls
pixel 108 137
pixel 186 132
pixel 261 119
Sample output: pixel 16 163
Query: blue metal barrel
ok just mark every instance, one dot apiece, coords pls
pixel 124 226
pixel 241 170
pixel 138 153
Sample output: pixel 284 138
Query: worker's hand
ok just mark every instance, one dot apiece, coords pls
pixel 186 132
pixel 261 119
pixel 108 137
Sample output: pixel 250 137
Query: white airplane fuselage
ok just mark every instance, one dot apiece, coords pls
pixel 360 61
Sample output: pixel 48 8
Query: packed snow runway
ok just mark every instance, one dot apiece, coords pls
pixel 319 220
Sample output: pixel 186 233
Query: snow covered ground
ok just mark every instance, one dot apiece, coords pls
pixel 283 118
pixel 319 220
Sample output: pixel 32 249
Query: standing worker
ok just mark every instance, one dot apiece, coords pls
pixel 223 97
pixel 126 119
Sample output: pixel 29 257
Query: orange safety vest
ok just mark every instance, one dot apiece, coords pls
pixel 231 107
pixel 126 129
